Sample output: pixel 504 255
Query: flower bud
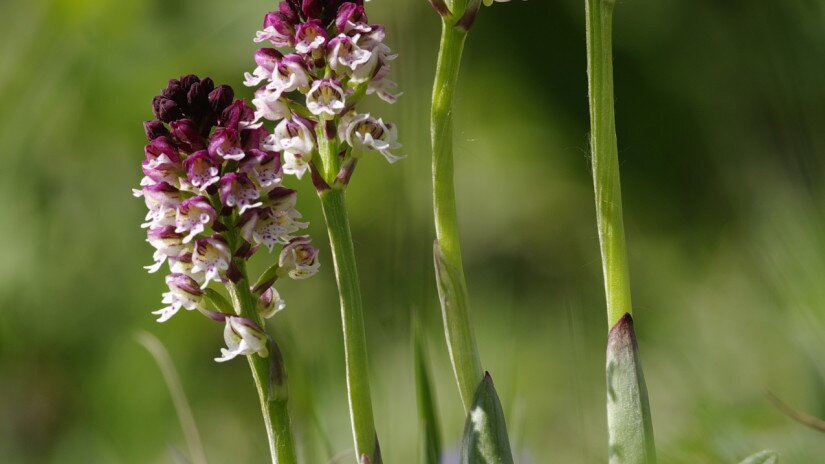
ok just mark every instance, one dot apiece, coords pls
pixel 155 129
pixel 270 303
pixel 299 259
pixel 221 98
pixel 165 109
pixel 186 131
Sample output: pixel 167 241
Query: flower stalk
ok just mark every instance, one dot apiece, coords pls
pixel 352 320
pixel 629 420
pixel 269 376
pixel 452 284
pixel 605 159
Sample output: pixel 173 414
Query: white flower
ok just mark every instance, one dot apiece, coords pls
pixel 167 244
pixel 242 337
pixel 211 256
pixel 293 138
pixel 269 105
pixel 383 87
pixel 288 75
pixel 365 133
pixel 274 223
pixel 299 259
pixel 326 98
pixel 194 216
pixel 183 293
pixel 344 56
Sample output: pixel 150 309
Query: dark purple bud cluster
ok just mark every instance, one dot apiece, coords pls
pixel 213 187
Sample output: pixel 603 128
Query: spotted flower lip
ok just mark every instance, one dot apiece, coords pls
pixel 243 337
pixel 194 215
pixel 225 143
pixel 202 169
pixel 273 223
pixel 237 190
pixel 264 167
pixel 299 259
pixel 211 256
pixel 326 98
pixel 364 133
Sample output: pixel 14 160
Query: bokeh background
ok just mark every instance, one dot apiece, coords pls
pixel 721 111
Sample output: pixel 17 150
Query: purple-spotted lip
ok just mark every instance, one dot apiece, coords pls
pixel 201 155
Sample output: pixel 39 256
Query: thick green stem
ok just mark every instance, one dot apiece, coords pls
pixel 352 319
pixel 605 155
pixel 459 332
pixel 269 376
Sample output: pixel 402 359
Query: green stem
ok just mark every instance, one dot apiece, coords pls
pixel 606 159
pixel 271 386
pixel 459 332
pixel 352 319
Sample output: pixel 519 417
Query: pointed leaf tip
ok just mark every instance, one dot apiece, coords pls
pixel 762 457
pixel 485 430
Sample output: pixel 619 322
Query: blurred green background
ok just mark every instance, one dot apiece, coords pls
pixel 721 111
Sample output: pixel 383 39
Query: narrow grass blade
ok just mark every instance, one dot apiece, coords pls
pixel 427 416
pixel 485 431
pixel 170 375
pixel 762 457
pixel 628 411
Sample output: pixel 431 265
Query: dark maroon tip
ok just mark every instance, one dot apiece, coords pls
pixel 155 129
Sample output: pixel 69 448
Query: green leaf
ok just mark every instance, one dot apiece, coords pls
pixel 485 431
pixel 628 411
pixel 218 301
pixel 762 457
pixel 427 416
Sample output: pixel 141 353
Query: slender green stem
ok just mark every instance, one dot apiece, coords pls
pixel 606 158
pixel 268 374
pixel 352 318
pixel 459 332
